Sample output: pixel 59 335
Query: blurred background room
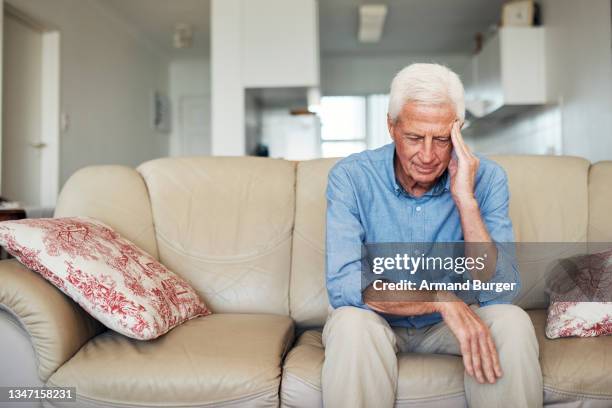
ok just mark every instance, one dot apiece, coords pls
pixel 89 82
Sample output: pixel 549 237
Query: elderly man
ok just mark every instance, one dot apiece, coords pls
pixel 426 186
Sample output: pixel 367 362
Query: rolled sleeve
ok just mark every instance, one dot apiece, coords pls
pixel 344 238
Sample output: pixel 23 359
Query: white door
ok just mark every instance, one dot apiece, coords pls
pixel 22 112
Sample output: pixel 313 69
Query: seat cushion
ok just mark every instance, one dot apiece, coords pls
pixel 221 359
pixel 425 380
pixel 574 369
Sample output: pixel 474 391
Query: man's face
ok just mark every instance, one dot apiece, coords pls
pixel 422 140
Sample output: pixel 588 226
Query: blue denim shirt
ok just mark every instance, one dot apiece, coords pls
pixel 365 204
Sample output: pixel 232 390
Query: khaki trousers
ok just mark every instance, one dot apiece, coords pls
pixel 360 368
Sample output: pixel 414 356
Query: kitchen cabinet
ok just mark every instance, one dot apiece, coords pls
pixel 509 74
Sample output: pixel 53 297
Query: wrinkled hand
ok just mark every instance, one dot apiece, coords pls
pixel 480 357
pixel 462 168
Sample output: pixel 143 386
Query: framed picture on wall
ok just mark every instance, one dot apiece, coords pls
pixel 160 107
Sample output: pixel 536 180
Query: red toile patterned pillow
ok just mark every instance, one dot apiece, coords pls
pixel 580 319
pixel 580 297
pixel 116 282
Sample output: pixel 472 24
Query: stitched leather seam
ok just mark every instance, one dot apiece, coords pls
pixel 230 258
pixel 308 241
pixel 240 399
pixel 301 380
pixel 435 398
pixel 578 393
pixel 292 236
pixel 423 399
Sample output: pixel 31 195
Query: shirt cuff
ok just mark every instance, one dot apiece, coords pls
pixel 505 272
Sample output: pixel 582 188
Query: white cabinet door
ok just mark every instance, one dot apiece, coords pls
pixel 509 71
pixel 523 63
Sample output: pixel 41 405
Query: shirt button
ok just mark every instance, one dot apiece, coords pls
pixel 418 208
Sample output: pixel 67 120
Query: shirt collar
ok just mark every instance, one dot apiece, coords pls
pixel 441 186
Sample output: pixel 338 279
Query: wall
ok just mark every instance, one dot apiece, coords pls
pixel 580 73
pixel 227 92
pixel 359 75
pixel 579 80
pixel 189 82
pixel 108 73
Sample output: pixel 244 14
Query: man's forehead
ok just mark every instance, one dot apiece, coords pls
pixel 428 112
pixel 423 125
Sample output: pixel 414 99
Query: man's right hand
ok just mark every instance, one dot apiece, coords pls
pixel 480 356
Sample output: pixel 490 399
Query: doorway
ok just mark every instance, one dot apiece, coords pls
pixel 30 111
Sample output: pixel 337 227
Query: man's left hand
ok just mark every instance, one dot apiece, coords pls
pixel 462 168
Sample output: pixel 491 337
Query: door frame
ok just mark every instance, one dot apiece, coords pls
pixel 50 104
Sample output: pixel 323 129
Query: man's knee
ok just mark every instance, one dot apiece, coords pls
pixel 354 316
pixel 355 324
pixel 509 324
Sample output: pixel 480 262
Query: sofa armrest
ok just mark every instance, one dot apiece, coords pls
pixel 56 326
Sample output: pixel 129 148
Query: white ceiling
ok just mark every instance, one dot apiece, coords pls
pixel 412 26
pixel 156 19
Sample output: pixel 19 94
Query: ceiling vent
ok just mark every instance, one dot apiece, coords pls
pixel 371 22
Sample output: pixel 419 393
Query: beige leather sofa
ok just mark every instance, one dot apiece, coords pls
pixel 248 233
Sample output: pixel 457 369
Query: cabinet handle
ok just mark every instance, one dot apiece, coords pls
pixel 37 145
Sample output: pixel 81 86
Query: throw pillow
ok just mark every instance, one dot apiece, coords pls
pixel 580 303
pixel 116 282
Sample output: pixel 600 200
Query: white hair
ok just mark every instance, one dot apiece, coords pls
pixel 427 84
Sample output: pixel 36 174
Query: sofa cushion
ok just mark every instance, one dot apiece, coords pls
pixel 224 224
pixel 600 197
pixel 55 327
pixel 308 296
pixel 574 368
pixel 544 210
pixel 424 380
pixel 218 359
pixel 115 195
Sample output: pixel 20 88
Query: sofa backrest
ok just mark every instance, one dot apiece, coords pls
pixel 115 195
pixel 548 197
pixel 249 233
pixel 548 206
pixel 308 294
pixel 224 224
pixel 600 202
